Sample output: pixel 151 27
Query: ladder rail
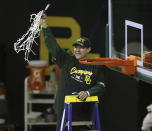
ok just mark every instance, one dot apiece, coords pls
pixel 69 100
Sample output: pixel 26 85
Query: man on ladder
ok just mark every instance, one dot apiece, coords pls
pixel 86 80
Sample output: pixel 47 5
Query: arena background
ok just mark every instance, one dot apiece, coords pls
pixel 92 17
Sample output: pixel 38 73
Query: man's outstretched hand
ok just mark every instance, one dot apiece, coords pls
pixel 43 23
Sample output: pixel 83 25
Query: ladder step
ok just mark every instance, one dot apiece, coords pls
pixel 80 123
pixel 74 99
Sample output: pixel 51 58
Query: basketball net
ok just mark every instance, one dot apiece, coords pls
pixel 26 42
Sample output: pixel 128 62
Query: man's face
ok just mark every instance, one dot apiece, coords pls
pixel 81 52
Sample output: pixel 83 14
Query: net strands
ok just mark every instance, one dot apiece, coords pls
pixel 26 42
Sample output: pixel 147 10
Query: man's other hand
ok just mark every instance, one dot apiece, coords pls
pixel 82 95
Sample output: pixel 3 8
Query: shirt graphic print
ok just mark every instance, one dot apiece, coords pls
pixel 81 75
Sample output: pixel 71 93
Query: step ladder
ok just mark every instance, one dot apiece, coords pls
pixel 67 112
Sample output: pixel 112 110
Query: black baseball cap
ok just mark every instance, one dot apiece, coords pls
pixel 83 41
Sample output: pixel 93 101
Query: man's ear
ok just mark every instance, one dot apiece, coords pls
pixel 89 49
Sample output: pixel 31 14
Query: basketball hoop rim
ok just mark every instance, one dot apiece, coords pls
pixel 107 61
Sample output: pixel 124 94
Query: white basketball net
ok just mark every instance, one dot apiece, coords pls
pixel 28 39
